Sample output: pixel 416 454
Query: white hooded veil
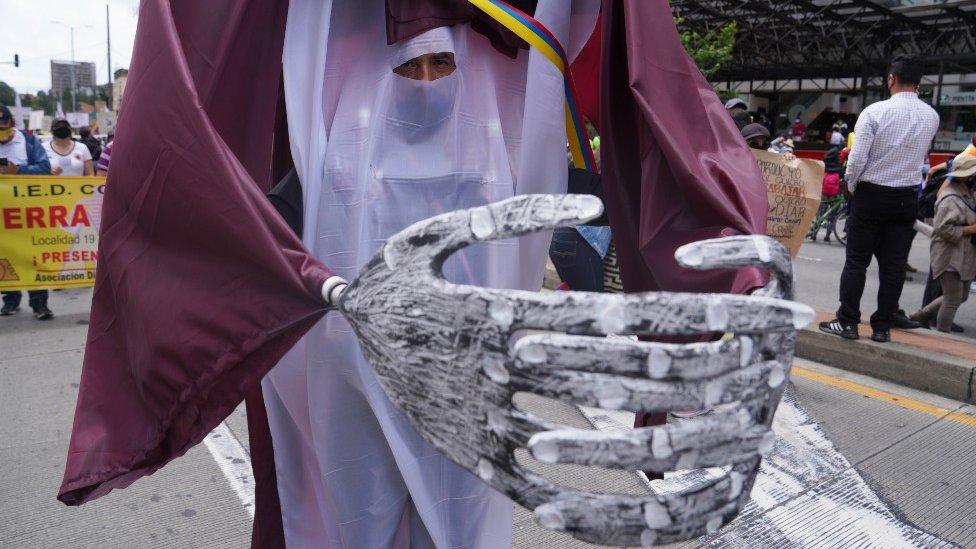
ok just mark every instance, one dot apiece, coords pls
pixel 375 152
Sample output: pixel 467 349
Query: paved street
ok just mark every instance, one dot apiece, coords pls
pixel 859 462
pixel 818 269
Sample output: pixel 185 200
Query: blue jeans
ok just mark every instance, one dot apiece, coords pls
pixel 578 264
pixel 36 298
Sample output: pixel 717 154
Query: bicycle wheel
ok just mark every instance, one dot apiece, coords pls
pixel 840 228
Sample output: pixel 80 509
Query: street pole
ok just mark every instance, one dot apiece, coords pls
pixel 108 38
pixel 74 103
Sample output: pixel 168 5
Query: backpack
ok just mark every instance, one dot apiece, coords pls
pixel 926 202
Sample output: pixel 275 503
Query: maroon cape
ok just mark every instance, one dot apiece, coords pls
pixel 201 288
pixel 675 167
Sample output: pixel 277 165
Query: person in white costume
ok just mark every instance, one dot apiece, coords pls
pixel 377 149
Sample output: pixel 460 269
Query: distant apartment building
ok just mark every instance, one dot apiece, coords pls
pixel 61 76
pixel 118 88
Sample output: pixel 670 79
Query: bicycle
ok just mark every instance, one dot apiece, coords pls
pixel 833 211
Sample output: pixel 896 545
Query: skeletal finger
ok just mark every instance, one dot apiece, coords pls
pixel 649 313
pixel 647 520
pixel 426 244
pixel 612 392
pixel 709 441
pixel 636 358
pixel 742 251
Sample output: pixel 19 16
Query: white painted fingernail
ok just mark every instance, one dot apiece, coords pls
pixel 660 444
pixel 802 316
pixel 648 538
pixel 549 516
pixel 482 225
pixel 501 311
pixel 745 351
pixel 658 363
pixel 544 448
pixel 777 375
pixel 762 249
pixel 588 207
pixel 611 318
pixel 713 524
pixel 656 515
pixel 496 372
pixel 485 469
pixel 736 489
pixel 531 353
pixel 716 315
pixel 690 255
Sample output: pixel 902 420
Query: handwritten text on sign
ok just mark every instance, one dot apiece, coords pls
pixel 793 188
pixel 49 236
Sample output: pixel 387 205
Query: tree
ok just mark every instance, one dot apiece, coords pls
pixel 6 94
pixel 711 49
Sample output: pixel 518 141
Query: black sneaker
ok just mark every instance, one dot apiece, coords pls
pixel 43 313
pixel 8 310
pixel 957 328
pixel 838 328
pixel 881 336
pixel 905 323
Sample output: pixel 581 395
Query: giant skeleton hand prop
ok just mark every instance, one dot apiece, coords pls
pixel 443 355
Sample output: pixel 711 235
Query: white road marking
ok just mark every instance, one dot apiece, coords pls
pixel 808 258
pixel 805 476
pixel 233 462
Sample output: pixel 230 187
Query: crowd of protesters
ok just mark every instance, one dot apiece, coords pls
pixel 875 175
pixel 22 153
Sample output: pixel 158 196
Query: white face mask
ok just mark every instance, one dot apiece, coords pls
pixel 420 104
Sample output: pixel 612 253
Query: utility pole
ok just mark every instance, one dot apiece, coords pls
pixel 74 102
pixel 108 39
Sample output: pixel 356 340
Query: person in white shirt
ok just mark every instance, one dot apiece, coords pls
pixel 23 155
pixel 67 156
pixel 893 139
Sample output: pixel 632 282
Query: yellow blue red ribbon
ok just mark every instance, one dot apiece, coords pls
pixel 539 37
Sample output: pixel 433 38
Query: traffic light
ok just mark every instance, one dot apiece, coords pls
pixel 16 60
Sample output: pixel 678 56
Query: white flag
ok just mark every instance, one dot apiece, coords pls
pixel 18 114
pixel 60 112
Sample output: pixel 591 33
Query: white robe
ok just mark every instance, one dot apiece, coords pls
pixel 352 471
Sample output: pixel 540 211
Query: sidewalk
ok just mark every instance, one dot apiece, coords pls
pixel 923 359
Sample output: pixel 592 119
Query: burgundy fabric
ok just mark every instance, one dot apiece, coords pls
pixel 675 168
pixel 408 18
pixel 267 531
pixel 585 70
pixel 201 287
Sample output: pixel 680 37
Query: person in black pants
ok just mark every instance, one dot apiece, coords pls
pixel 892 139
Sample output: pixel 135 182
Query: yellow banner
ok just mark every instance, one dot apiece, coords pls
pixel 49 231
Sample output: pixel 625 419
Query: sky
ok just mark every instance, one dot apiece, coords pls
pixel 28 29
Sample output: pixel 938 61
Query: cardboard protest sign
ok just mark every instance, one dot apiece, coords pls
pixel 794 196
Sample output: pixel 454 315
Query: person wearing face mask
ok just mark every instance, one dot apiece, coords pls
pixel 757 136
pixel 67 156
pixel 953 245
pixel 22 154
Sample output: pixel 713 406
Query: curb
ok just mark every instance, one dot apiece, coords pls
pixel 926 370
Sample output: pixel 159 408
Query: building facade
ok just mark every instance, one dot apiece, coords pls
pixel 61 76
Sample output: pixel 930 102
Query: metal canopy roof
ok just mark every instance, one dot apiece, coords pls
pixel 787 39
